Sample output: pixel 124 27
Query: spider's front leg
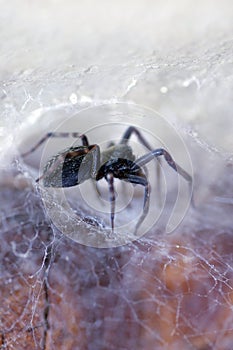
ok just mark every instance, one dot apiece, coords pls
pixel 162 152
pixel 125 139
pixel 110 180
pixel 139 180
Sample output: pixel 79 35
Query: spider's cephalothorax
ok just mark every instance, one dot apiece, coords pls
pixel 75 165
pixel 118 151
pixel 120 168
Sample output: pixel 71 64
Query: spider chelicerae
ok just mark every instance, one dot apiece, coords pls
pixel 74 165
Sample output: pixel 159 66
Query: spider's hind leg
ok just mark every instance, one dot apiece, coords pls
pixel 56 135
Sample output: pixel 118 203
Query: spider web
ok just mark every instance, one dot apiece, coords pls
pixel 162 292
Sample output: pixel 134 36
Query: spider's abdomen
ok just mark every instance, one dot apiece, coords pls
pixel 120 168
pixel 65 170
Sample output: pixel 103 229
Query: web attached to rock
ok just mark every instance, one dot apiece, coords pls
pixel 158 292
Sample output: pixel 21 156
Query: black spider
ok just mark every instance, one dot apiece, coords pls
pixel 74 165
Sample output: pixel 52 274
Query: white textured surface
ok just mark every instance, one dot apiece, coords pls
pixel 175 57
pixel 121 50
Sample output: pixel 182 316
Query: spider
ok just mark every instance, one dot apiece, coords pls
pixel 74 165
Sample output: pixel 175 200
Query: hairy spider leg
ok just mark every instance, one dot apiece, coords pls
pixel 125 138
pixel 57 135
pixel 139 180
pixel 112 198
pixel 109 145
pixel 162 152
pixel 132 130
